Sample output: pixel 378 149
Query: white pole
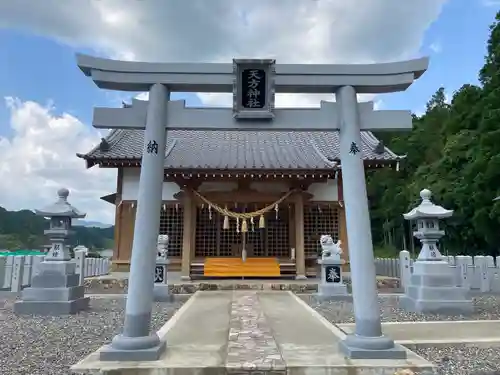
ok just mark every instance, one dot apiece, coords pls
pixel 136 332
pixel 368 331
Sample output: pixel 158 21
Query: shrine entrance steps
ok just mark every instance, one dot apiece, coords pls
pixel 235 267
pixel 250 332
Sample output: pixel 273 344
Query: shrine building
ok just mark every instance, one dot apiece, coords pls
pixel 271 193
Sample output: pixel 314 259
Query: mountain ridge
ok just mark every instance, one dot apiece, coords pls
pixel 24 230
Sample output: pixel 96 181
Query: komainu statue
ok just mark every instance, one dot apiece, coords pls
pixel 162 246
pixel 329 248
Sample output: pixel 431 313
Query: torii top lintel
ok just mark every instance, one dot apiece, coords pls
pixel 218 77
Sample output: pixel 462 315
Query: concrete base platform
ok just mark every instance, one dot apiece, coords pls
pixel 162 293
pixel 51 308
pixel 456 307
pixel 340 297
pixel 108 353
pixel 243 332
pixel 117 282
pixel 439 333
pixel 353 352
pixel 333 292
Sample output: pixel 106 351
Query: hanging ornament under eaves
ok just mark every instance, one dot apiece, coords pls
pixel 243 215
pixel 164 207
pixel 225 223
pixel 262 222
pixel 244 226
pixel 177 207
pixel 209 212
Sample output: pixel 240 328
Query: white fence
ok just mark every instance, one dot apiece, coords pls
pixel 16 271
pixel 481 273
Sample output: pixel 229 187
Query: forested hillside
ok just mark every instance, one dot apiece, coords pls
pixel 24 230
pixel 454 150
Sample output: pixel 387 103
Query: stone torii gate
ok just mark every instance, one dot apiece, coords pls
pixel 253 84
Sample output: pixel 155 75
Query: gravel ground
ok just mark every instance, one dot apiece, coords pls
pixel 486 308
pixel 452 360
pixel 463 360
pixel 50 345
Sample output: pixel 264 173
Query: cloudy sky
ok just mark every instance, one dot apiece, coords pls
pixel 46 102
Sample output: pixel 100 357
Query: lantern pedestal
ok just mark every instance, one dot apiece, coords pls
pixel 55 290
pixel 432 290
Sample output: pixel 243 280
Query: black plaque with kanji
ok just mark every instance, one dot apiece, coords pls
pixel 333 274
pixel 253 88
pixel 159 274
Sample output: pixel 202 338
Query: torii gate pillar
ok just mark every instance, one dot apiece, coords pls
pixel 346 115
pixel 136 342
pixel 367 340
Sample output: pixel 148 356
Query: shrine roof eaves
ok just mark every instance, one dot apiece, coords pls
pixel 233 150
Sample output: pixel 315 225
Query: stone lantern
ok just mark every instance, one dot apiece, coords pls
pixel 432 287
pixel 427 216
pixel 55 290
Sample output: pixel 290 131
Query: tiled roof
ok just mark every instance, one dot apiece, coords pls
pixel 239 149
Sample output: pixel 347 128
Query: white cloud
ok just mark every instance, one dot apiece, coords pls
pixel 39 158
pixel 490 3
pixel 143 96
pixel 292 31
pixel 436 47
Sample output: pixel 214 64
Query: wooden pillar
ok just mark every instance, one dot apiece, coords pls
pixel 343 238
pixel 118 216
pixel 194 214
pixel 291 230
pixel 125 233
pixel 187 234
pixel 300 261
pixel 117 233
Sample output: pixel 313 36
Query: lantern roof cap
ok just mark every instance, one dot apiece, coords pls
pixel 61 208
pixel 427 209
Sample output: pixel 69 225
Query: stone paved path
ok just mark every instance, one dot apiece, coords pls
pixel 250 333
pixel 251 344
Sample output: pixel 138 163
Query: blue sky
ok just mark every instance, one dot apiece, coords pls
pixel 456 44
pixel 39 69
pixel 43 70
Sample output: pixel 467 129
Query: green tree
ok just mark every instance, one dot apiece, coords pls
pixel 454 150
